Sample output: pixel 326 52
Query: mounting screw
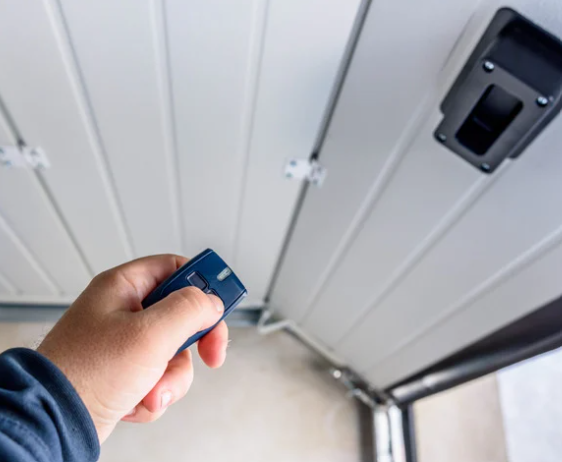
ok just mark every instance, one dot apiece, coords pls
pixel 542 101
pixel 441 137
pixel 488 66
pixel 485 167
pixel 293 163
pixel 289 175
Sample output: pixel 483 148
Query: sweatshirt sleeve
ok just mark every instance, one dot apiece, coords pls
pixel 42 418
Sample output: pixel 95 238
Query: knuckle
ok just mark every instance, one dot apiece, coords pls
pixel 192 298
pixel 107 277
pixel 142 329
pixel 150 333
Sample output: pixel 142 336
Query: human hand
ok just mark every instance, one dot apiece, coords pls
pixel 122 359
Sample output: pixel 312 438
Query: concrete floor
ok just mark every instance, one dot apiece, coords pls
pixel 272 401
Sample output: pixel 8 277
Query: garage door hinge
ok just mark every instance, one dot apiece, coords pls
pixel 305 169
pixel 357 388
pixel 23 157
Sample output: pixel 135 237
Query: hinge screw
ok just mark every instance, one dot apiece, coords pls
pixel 488 66
pixel 542 101
pixel 485 167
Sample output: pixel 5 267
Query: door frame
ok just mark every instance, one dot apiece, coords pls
pixel 530 336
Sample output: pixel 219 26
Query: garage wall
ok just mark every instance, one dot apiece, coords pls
pixel 167 125
pixel 407 253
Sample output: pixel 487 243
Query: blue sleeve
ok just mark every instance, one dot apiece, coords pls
pixel 42 418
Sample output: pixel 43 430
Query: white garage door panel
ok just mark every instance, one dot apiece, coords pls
pixel 41 90
pixel 167 124
pixel 378 111
pixel 6 287
pixel 210 59
pixel 303 47
pixel 410 241
pixel 531 282
pixel 119 46
pixel 30 215
pixel 21 273
pixel 427 190
pixel 520 209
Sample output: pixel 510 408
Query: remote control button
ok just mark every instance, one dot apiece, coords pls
pixel 195 279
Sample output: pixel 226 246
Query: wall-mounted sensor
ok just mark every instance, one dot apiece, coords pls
pixel 507 92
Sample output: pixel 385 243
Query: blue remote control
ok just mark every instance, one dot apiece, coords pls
pixel 208 272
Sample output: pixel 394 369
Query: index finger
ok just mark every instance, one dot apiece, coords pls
pixel 145 274
pixel 212 347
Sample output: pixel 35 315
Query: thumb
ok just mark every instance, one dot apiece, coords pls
pixel 181 314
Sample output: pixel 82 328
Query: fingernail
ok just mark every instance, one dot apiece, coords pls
pixel 131 412
pixel 166 399
pixel 218 303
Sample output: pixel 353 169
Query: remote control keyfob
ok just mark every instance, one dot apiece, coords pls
pixel 208 272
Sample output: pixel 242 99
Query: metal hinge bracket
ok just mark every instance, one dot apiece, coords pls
pixel 356 387
pixel 23 157
pixel 304 169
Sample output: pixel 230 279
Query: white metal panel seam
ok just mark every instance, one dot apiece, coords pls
pixel 461 207
pixel 9 133
pixel 68 55
pixel 209 44
pixel 162 53
pixel 257 40
pixel 373 195
pixel 12 135
pixel 486 315
pixel 7 285
pixel 64 225
pixel 339 80
pixel 323 129
pixel 304 45
pixel 52 285
pixel 388 170
pixel 515 266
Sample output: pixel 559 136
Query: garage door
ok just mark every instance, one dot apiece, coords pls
pixel 167 126
pixel 407 252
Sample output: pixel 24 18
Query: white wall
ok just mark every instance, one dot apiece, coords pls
pixel 531 401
